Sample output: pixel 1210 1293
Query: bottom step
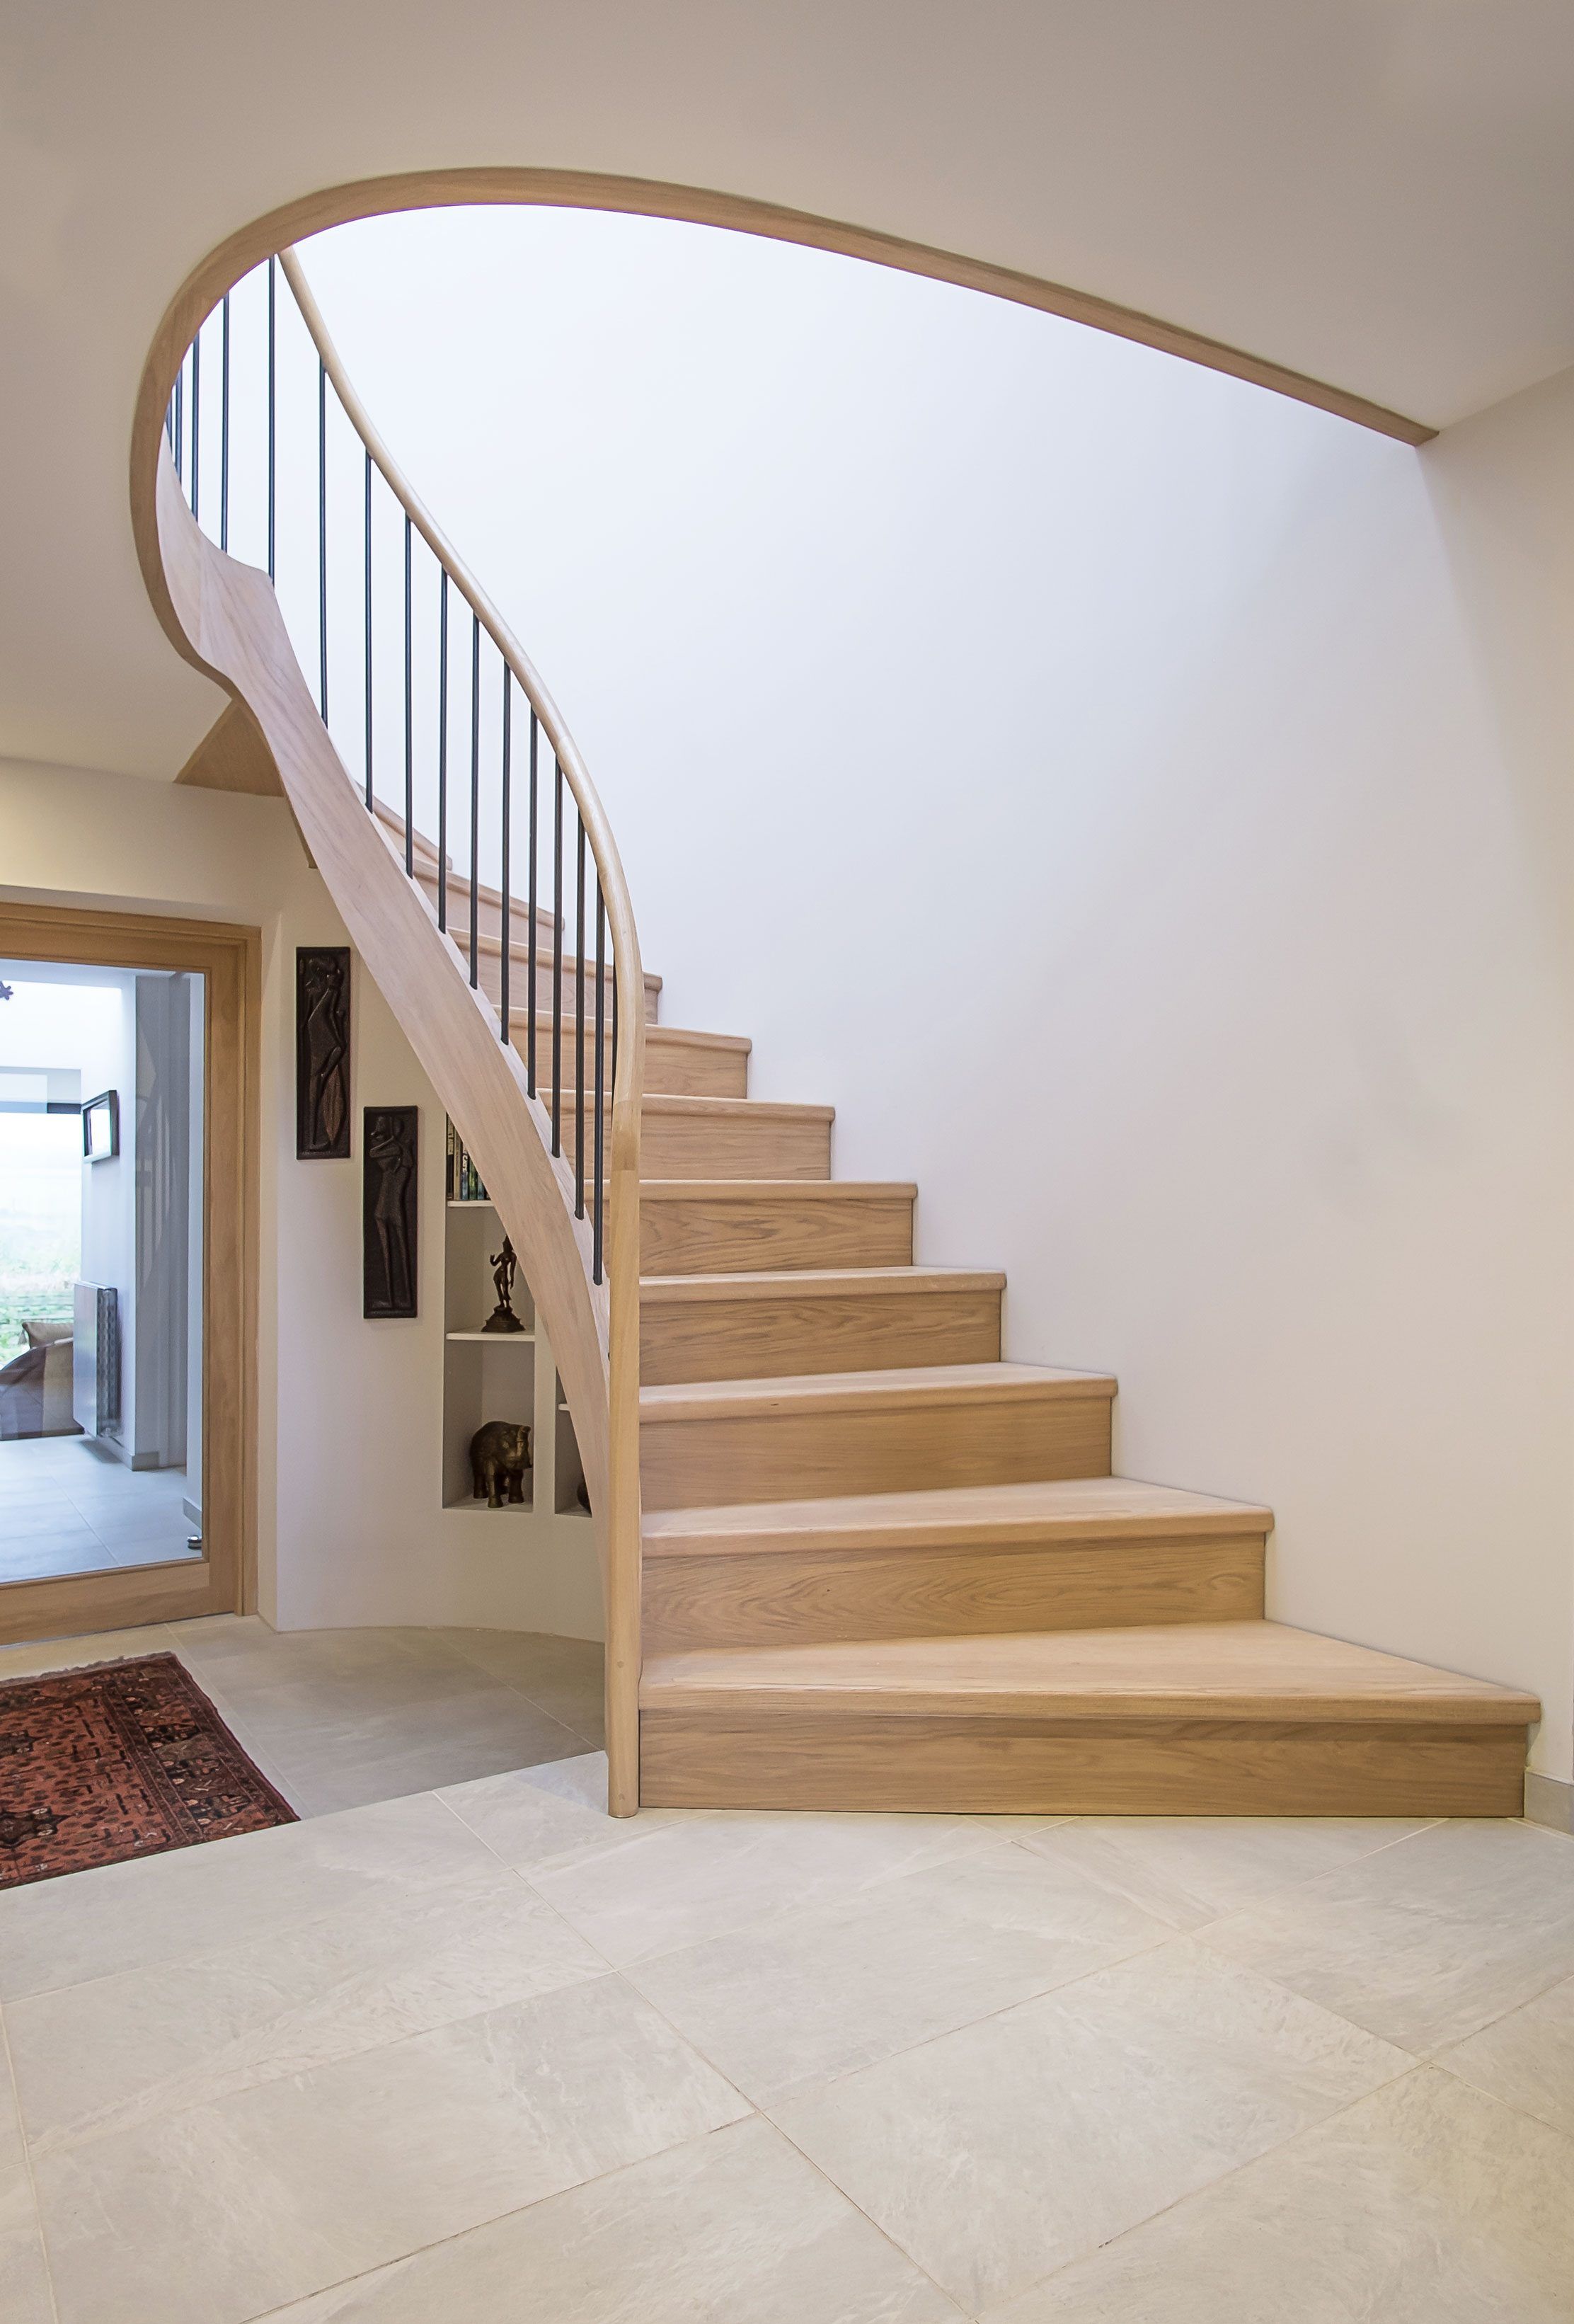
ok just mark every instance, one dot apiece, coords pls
pixel 1219 1719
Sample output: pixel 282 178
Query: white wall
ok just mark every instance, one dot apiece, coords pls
pixel 1138 802
pixel 350 1451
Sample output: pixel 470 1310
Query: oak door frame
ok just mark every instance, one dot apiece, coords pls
pixel 229 957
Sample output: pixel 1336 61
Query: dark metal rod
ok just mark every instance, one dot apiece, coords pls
pixel 531 922
pixel 408 721
pixel 322 530
pixel 475 800
pixel 368 633
pixel 272 418
pixel 223 425
pixel 179 420
pixel 556 951
pixel 579 1021
pixel 598 1214
pixel 443 749
pixel 505 931
pixel 195 415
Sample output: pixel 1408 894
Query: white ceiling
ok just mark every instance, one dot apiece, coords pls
pixel 1377 192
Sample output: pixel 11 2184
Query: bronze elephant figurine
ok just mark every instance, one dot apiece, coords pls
pixel 500 1460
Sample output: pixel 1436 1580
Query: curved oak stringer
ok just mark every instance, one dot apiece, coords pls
pixel 231 627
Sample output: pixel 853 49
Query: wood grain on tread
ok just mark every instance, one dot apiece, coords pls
pixel 731 1226
pixel 870 1432
pixel 678 1062
pixel 1242 1670
pixel 1151 1766
pixel 1080 1555
pixel 723 1137
pixel 707 1327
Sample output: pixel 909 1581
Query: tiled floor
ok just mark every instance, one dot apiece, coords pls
pixel 483 2054
pixel 336 1719
pixel 68 1507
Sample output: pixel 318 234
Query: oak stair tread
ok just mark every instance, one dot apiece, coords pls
pixel 909 1387
pixel 1076 1509
pixel 1233 1671
pixel 789 1190
pixel 817 1282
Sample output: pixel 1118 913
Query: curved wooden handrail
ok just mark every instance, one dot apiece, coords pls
pixel 223 615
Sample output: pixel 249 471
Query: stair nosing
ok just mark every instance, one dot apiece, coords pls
pixel 944 1517
pixel 916 1384
pixel 705 1289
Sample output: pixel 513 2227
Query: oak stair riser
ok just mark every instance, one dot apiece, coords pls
pixel 808 1598
pixel 708 1137
pixel 746 1229
pixel 869 1445
pixel 781 1328
pixel 489 977
pixel 677 1064
pixel 1091 1767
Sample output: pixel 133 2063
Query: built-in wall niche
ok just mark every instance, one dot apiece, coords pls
pixel 499 1376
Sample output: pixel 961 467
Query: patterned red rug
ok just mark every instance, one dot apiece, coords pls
pixel 124 1759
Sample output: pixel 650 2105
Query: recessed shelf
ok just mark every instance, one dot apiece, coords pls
pixel 517 1509
pixel 496 1339
pixel 477 1203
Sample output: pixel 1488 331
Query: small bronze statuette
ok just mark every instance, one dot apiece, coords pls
pixel 500 1460
pixel 504 1267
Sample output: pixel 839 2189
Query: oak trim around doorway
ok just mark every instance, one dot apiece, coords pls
pixel 230 958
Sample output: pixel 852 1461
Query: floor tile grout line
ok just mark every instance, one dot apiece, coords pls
pixel 1196 2194
pixel 49 2273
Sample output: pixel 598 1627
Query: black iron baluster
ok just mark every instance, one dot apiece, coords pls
pixel 322 530
pixel 443 749
pixel 557 952
pixel 368 633
pixel 408 723
pixel 530 924
pixel 179 420
pixel 474 799
pixel 598 1215
pixel 503 1025
pixel 196 416
pixel 223 424
pixel 579 1022
pixel 272 418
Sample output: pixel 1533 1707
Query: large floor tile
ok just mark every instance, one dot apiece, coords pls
pixel 814 1994
pixel 1526 2059
pixel 45 1557
pixel 563 1676
pixel 678 1883
pixel 535 1816
pixel 340 1764
pixel 99 2057
pixel 41 1654
pixel 196 1900
pixel 231 2208
pixel 1425 2204
pixel 1428 1940
pixel 1189 1869
pixel 24 2291
pixel 735 2228
pixel 999 2152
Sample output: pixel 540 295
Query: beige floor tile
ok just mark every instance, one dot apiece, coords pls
pixel 999 2152
pixel 1526 2059
pixel 682 1882
pixel 735 2228
pixel 102 2057
pixel 564 1676
pixel 814 1994
pixel 41 1654
pixel 196 1900
pixel 1425 2204
pixel 552 1814
pixel 1189 1869
pixel 421 1748
pixel 228 2210
pixel 24 2291
pixel 1426 1942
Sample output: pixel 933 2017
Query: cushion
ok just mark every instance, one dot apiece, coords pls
pixel 40 1334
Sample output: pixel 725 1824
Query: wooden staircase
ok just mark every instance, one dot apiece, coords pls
pixel 883 1569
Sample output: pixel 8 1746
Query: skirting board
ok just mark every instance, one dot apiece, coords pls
pixel 1549 1800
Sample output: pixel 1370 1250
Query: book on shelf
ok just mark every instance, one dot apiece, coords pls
pixel 465 1184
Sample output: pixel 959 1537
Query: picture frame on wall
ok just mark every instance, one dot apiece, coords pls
pixel 322 1052
pixel 101 1127
pixel 389 1143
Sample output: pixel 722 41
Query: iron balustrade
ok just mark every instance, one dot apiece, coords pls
pixel 275 387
